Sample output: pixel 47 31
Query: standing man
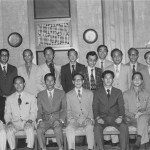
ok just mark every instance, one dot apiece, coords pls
pixel 20 113
pixel 79 112
pixel 122 78
pixel 48 67
pixel 7 73
pixel 92 75
pixel 146 72
pixel 68 70
pixel 134 65
pixel 108 109
pixel 51 111
pixel 29 72
pixel 102 62
pixel 137 109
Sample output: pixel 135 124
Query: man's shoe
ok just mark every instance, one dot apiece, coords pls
pixel 114 144
pixel 136 147
pixel 107 142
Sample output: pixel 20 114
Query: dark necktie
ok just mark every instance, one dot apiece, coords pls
pixel 4 71
pixel 79 94
pixel 73 70
pixel 19 100
pixel 93 85
pixel 52 69
pixel 102 66
pixel 50 98
pixel 133 71
pixel 108 93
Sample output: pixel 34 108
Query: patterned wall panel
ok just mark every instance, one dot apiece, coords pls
pixel 53 33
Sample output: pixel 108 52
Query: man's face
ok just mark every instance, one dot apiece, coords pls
pixel 137 81
pixel 72 56
pixel 133 56
pixel 91 61
pixel 108 80
pixel 4 57
pixel 19 85
pixel 49 56
pixel 148 59
pixel 27 56
pixel 102 53
pixel 78 81
pixel 50 82
pixel 117 57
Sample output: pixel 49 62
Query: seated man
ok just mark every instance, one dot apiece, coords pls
pixel 2 136
pixel 51 111
pixel 79 112
pixel 137 108
pixel 20 113
pixel 108 109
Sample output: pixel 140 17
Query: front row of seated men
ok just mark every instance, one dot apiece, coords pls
pixel 53 105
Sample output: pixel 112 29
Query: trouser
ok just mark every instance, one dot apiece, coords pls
pixel 70 132
pixel 123 128
pixel 41 134
pixel 2 107
pixel 142 127
pixel 20 125
pixel 2 137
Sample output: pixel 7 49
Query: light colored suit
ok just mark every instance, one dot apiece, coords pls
pixel 105 65
pixel 2 136
pixel 123 81
pixel 79 114
pixel 31 85
pixel 18 115
pixel 42 71
pixel 146 77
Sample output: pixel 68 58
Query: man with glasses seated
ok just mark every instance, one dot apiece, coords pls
pixel 20 113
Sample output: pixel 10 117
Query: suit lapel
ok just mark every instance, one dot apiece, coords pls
pixel 87 77
pixel 112 95
pixel 45 97
pixel 104 96
pixel 68 70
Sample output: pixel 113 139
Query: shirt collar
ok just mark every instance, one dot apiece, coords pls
pixel 107 89
pixel 81 89
pixel 89 68
pixel 52 92
pixel 133 64
pixel 3 66
pixel 117 66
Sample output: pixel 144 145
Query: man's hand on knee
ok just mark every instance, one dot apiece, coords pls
pixel 10 126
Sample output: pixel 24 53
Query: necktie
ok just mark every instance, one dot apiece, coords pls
pixel 4 71
pixel 102 65
pixel 117 71
pixel 79 94
pixel 73 70
pixel 108 93
pixel 52 69
pixel 93 85
pixel 28 68
pixel 133 71
pixel 19 100
pixel 50 97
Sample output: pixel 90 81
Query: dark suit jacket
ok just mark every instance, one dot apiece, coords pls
pixel 98 76
pixel 58 108
pixel 6 82
pixel 66 76
pixel 111 108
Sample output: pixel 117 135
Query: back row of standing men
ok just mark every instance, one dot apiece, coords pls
pixel 34 76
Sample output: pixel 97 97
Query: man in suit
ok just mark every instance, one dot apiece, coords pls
pixel 79 112
pixel 69 69
pixel 108 109
pixel 137 109
pixel 48 67
pixel 7 73
pixel 102 62
pixel 134 65
pixel 20 113
pixel 92 74
pixel 146 71
pixel 29 72
pixel 51 111
pixel 122 78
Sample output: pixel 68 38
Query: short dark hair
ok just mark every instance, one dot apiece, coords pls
pixel 102 46
pixel 4 50
pixel 18 77
pixel 27 50
pixel 108 72
pixel 78 73
pixel 49 48
pixel 116 50
pixel 137 73
pixel 49 74
pixel 146 54
pixel 91 53
pixel 131 49
pixel 72 50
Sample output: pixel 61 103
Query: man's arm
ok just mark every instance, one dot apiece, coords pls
pixel 63 80
pixel 40 108
pixel 90 114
